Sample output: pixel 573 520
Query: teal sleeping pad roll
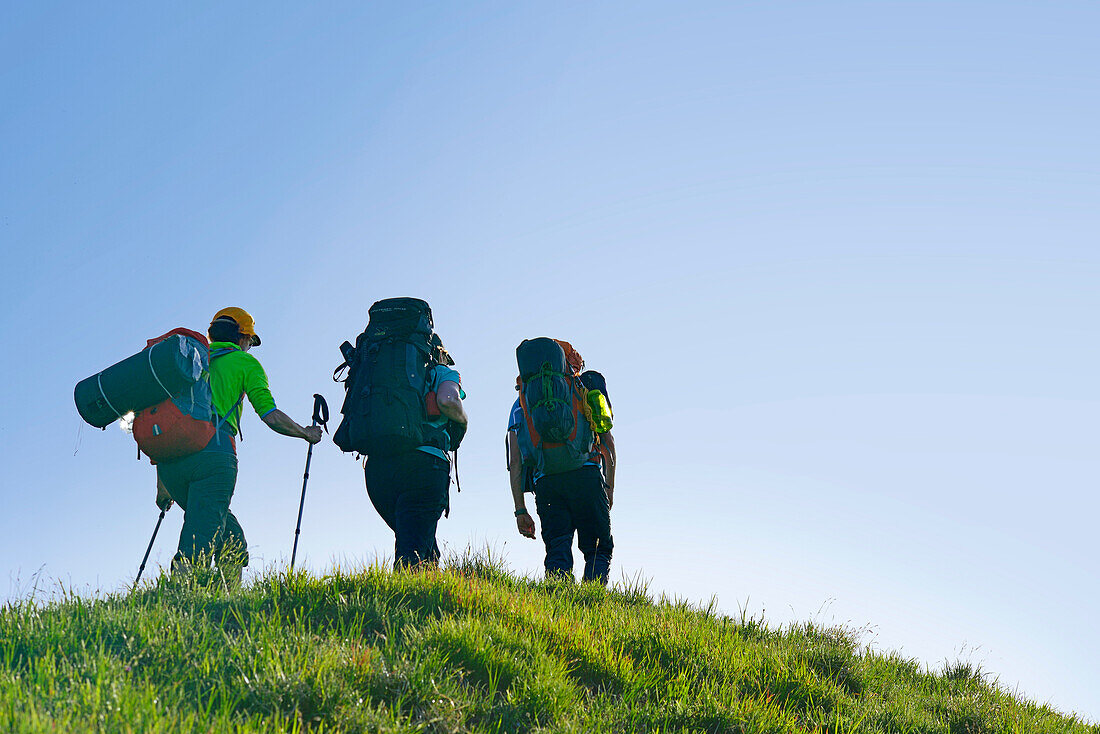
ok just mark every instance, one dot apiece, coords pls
pixel 147 378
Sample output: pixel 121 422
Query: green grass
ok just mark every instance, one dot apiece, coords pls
pixel 472 648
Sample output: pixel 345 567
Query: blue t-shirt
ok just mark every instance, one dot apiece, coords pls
pixel 440 374
pixel 515 418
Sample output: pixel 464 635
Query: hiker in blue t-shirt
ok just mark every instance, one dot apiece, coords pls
pixel 577 501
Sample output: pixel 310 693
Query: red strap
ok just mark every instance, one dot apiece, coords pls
pixel 186 332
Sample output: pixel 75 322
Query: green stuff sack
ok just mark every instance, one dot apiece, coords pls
pixel 154 374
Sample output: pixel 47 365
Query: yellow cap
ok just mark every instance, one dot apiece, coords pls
pixel 245 322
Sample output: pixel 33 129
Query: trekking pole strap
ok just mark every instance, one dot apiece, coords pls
pixel 320 411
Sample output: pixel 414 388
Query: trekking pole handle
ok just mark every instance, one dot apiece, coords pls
pixel 320 411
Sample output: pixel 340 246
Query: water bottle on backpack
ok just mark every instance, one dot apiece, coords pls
pixel 599 406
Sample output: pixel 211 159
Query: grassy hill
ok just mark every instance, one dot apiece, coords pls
pixel 469 649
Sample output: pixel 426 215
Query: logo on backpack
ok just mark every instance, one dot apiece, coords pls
pixel 389 372
pixel 556 434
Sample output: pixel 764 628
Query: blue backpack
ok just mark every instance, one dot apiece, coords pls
pixel 555 435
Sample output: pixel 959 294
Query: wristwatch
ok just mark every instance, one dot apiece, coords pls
pixel 522 511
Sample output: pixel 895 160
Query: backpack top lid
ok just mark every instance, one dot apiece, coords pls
pixel 406 313
pixel 532 354
pixel 406 318
pixel 400 318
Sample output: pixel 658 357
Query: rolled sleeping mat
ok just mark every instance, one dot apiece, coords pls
pixel 147 378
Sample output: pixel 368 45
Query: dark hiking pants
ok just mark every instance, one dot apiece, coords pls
pixel 409 491
pixel 571 502
pixel 202 484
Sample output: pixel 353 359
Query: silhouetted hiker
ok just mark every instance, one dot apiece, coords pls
pixel 203 483
pixel 403 411
pixel 555 448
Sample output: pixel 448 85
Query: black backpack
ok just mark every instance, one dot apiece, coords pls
pixel 388 371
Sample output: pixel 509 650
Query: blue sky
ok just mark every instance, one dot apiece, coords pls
pixel 837 260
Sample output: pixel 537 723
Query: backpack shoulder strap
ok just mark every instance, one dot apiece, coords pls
pixel 237 405
pixel 532 432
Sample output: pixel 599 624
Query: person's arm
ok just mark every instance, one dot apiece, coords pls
pixel 524 522
pixel 449 402
pixel 448 398
pixel 609 470
pixel 280 422
pixel 259 394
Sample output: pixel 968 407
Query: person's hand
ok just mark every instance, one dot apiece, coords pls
pixel 164 500
pixel 610 491
pixel 526 525
pixel 313 434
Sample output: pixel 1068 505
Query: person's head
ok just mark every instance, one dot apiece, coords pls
pixel 572 356
pixel 441 355
pixel 236 326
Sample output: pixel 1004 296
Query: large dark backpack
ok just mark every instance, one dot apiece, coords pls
pixel 388 371
pixel 555 435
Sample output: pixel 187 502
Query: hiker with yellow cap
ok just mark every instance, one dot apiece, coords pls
pixel 202 483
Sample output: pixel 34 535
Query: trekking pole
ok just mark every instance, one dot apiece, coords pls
pixel 320 416
pixel 156 530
